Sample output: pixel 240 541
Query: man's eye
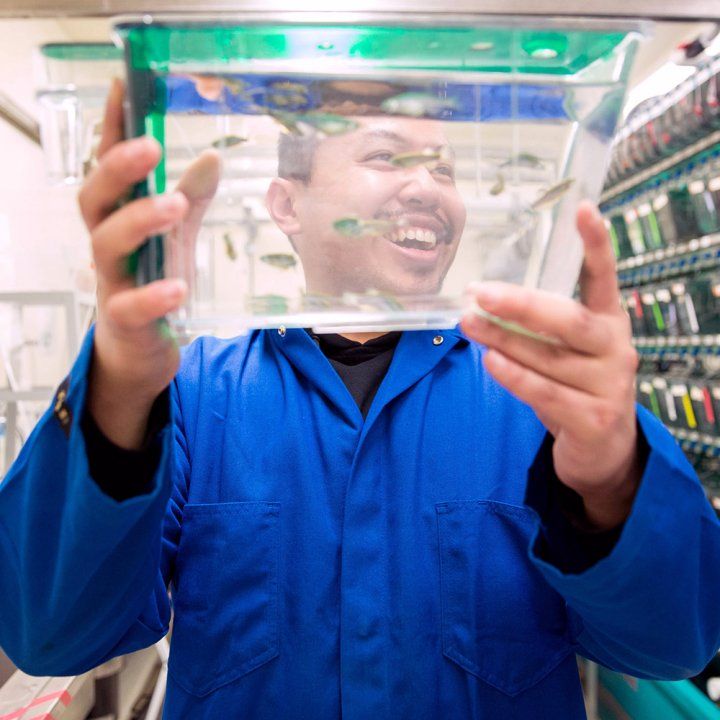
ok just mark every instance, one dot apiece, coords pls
pixel 382 156
pixel 446 170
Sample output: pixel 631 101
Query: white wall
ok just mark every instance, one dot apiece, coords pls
pixel 42 238
pixel 43 243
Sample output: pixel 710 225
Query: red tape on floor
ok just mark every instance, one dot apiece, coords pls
pixel 63 695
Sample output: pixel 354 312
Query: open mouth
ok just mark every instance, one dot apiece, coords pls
pixel 418 238
pixel 414 237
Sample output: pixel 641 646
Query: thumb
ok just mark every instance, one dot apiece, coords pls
pixel 201 178
pixel 598 281
pixel 199 184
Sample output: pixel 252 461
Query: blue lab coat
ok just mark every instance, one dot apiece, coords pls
pixel 322 566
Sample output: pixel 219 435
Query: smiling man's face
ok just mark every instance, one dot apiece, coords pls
pixel 352 176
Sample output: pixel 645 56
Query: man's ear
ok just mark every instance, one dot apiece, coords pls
pixel 280 203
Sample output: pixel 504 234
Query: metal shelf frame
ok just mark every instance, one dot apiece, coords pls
pixel 683 344
pixel 697 443
pixel 708 10
pixel 686 265
pixel 13 397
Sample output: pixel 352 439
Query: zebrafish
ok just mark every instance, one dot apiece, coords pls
pixel 499 185
pixel 525 160
pixel 415 104
pixel 288 120
pixel 512 327
pixel 229 246
pixel 357 228
pixel 548 198
pixel 228 141
pixel 328 124
pixel 284 261
pixel 411 159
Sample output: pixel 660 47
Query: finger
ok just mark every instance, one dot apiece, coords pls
pixel 598 280
pixel 122 166
pixel 136 308
pixel 126 229
pixel 544 312
pixel 113 126
pixel 557 362
pixel 201 178
pixel 584 417
pixel 199 184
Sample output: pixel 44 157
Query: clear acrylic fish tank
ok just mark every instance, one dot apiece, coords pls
pixel 356 174
pixel 75 81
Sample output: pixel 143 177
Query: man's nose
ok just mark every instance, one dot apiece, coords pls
pixel 420 187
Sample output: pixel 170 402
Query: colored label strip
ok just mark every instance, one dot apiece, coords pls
pixel 707 401
pixel 689 413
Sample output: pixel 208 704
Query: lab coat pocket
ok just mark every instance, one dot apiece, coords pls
pixel 225 594
pixel 501 621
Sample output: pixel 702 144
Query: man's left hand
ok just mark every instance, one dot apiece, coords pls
pixel 582 385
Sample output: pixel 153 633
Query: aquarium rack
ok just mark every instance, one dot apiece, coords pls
pixel 676 262
pixel 650 172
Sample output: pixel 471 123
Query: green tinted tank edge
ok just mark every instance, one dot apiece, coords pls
pixel 84 51
pixel 142 87
pixel 380 47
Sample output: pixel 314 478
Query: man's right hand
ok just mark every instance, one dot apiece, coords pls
pixel 135 357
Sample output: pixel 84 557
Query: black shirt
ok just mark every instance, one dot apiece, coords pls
pixel 361 367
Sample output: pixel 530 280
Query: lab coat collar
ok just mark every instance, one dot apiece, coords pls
pixel 417 353
pixel 307 358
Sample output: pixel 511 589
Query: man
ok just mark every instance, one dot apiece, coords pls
pixel 421 200
pixel 427 545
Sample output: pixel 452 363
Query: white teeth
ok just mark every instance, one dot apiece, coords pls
pixel 426 237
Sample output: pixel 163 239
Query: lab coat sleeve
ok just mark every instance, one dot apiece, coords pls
pixel 651 607
pixel 83 577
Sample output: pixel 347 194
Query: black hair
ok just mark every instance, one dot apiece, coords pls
pixel 295 156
